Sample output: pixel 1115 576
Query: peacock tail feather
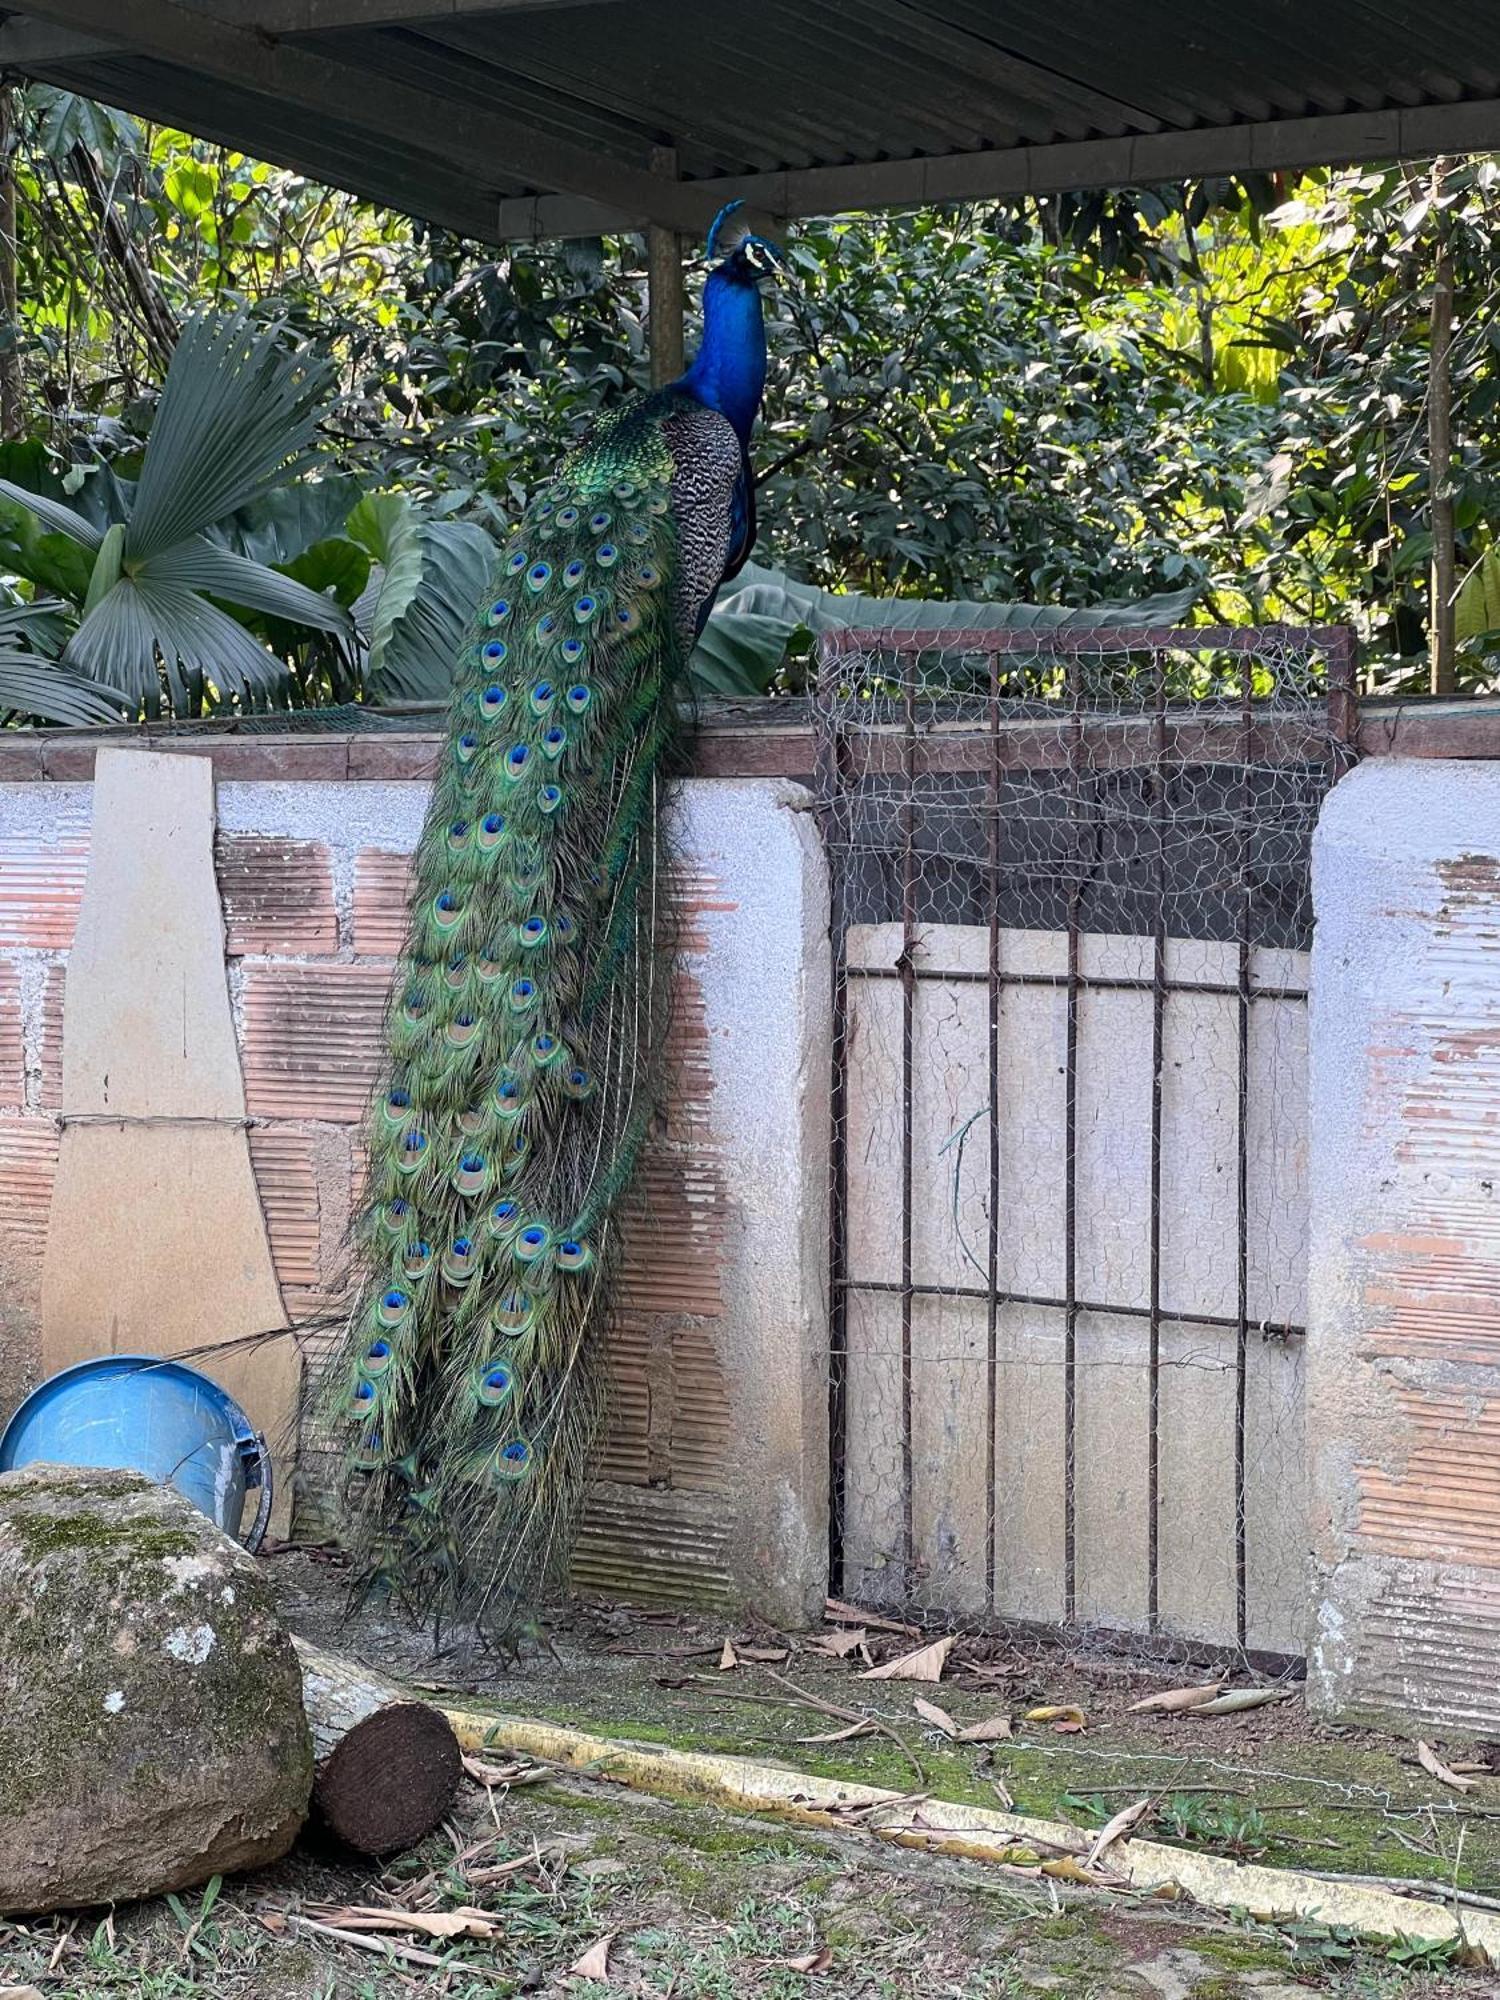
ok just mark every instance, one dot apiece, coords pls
pixel 525 1034
pixel 525 1040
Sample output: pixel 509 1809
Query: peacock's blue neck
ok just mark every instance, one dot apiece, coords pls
pixel 729 369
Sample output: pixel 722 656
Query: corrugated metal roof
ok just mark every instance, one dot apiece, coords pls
pixel 500 116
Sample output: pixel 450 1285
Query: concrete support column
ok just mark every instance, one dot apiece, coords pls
pixel 1403 1419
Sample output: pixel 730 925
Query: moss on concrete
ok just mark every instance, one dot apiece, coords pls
pixel 1322 1803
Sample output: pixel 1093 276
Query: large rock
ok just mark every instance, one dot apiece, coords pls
pixel 151 1724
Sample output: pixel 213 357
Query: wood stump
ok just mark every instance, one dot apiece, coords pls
pixel 386 1766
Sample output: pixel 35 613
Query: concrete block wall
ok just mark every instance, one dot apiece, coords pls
pixel 1403 1416
pixel 712 1486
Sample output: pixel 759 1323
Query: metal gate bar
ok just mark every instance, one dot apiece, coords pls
pixel 928 751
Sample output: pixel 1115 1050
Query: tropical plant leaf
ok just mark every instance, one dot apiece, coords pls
pixel 31 685
pixel 739 652
pixel 281 525
pixel 421 597
pixel 54 514
pixel 145 617
pixel 336 568
pixel 385 525
pixel 204 565
pixel 235 408
pixel 1476 609
pixel 778 596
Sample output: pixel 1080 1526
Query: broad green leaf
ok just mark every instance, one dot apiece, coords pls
pixel 739 652
pixel 413 653
pixel 107 566
pixel 282 524
pixel 385 525
pixel 1476 609
pixel 336 567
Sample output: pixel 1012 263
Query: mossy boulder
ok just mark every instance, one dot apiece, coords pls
pixel 151 1724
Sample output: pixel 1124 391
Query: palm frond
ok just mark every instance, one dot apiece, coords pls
pixel 235 407
pixel 54 514
pixel 205 565
pixel 31 685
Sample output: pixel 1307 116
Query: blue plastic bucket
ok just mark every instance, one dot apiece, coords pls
pixel 138 1413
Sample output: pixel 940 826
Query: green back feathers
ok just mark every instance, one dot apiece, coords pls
pixel 524 1044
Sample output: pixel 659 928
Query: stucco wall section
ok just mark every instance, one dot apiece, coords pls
pixel 713 1476
pixel 1404 1277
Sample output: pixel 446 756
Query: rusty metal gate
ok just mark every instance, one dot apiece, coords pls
pixel 1071 925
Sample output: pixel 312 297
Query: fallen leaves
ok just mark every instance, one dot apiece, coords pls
pixel 808 1961
pixel 1054 1712
pixel 1237 1700
pixel 1431 1762
pixel 840 1644
pixel 925 1664
pixel 1174 1700
pixel 1120 1827
pixel 994 1728
pixel 594 1963
pixel 732 1655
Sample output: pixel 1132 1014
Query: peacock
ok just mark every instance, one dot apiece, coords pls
pixel 525 1032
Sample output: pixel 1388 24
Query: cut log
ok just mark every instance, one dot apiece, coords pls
pixel 386 1766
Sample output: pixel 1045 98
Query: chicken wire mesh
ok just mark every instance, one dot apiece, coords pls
pixel 1071 925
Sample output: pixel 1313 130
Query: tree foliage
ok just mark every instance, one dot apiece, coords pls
pixel 1215 391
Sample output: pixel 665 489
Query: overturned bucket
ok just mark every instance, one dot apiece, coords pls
pixel 137 1413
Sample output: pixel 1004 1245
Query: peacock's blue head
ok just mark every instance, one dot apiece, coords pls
pixel 729 372
pixel 747 259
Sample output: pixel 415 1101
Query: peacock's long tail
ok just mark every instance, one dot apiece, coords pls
pixel 524 1053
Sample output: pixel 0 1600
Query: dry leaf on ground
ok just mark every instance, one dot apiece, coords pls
pixel 768 1655
pixel 1428 1758
pixel 595 1961
pixel 460 1923
pixel 926 1664
pixel 809 1961
pixel 1120 1827
pixel 1172 1700
pixel 1069 1868
pixel 834 1608
pixel 1055 1713
pixel 1237 1700
pixel 728 1658
pixel 489 1774
pixel 847 1640
pixel 994 1729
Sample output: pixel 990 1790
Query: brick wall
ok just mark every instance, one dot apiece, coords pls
pixel 312 878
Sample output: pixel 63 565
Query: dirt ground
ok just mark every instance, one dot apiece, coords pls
pixel 562 1875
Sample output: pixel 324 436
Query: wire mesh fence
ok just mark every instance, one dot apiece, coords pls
pixel 1071 924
